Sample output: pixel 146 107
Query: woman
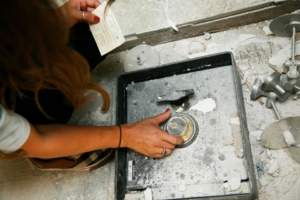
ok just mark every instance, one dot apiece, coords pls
pixel 42 80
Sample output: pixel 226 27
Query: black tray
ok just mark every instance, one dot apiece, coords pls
pixel 204 63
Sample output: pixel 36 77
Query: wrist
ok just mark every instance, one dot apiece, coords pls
pixel 124 139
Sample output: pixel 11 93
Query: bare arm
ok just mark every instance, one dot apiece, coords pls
pixel 146 137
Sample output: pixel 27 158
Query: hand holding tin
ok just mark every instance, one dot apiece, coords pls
pixel 146 137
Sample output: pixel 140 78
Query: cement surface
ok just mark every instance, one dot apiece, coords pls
pixel 152 15
pixel 20 181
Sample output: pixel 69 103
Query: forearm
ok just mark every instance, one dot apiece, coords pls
pixel 49 141
pixel 146 137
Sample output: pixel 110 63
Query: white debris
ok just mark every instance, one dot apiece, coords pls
pixel 181 188
pixel 263 181
pixel 256 134
pixel 244 37
pixel 289 138
pixel 148 194
pixel 134 196
pixel 235 120
pixel 274 167
pixel 205 106
pixel 170 22
pixel 197 55
pixel 267 30
pixel 180 109
pixel 234 183
pixel 225 185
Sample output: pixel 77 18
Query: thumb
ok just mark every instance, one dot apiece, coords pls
pixel 163 117
pixel 91 18
pixel 83 16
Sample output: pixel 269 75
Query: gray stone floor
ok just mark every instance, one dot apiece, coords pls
pixel 20 181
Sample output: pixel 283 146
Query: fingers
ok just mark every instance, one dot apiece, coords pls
pixel 176 140
pixel 166 145
pixel 92 3
pixel 89 9
pixel 81 4
pixel 159 153
pixel 168 137
pixel 87 5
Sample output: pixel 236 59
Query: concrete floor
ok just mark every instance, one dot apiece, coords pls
pixel 142 13
pixel 20 181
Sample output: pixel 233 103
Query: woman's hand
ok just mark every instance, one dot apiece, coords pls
pixel 73 11
pixel 148 138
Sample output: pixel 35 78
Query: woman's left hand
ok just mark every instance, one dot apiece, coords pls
pixel 79 11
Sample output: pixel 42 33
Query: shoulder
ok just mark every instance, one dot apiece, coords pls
pixel 14 130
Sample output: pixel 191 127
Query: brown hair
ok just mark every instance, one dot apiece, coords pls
pixel 35 56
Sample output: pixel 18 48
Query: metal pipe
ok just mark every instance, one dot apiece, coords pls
pixel 276 111
pixel 293 43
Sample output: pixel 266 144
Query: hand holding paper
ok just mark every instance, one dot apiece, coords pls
pixel 107 33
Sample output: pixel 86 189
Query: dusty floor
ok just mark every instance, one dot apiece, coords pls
pixel 20 181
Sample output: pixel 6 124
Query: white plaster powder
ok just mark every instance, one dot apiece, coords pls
pixel 205 106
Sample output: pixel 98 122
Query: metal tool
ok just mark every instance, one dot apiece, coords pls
pixel 270 103
pixel 271 84
pixel 175 95
pixel 268 138
pixel 283 133
pixel 279 135
pixel 288 83
pixel 287 26
pixel 256 91
pixel 249 85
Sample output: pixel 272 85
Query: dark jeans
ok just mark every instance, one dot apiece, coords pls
pixel 54 102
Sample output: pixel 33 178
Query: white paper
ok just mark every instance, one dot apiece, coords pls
pixel 170 22
pixel 107 33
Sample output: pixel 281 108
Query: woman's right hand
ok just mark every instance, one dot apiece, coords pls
pixel 146 137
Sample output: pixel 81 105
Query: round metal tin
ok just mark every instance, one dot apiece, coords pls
pixel 183 125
